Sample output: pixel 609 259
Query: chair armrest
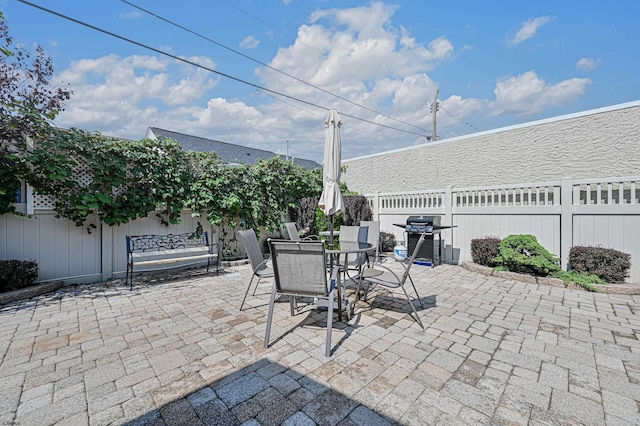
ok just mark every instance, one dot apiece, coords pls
pixel 263 263
pixel 335 273
pixel 378 266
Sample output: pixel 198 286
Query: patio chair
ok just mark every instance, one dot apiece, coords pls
pixel 300 270
pixel 292 230
pixel 380 274
pixel 258 262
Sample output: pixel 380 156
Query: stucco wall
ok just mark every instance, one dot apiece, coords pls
pixel 593 144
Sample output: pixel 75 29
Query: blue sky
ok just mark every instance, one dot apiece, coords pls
pixel 496 63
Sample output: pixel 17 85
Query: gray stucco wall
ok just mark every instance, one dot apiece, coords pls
pixel 593 144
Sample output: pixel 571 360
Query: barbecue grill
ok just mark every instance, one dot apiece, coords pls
pixel 429 225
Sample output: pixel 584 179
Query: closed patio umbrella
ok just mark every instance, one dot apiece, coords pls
pixel 331 199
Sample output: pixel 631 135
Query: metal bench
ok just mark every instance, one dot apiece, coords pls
pixel 173 250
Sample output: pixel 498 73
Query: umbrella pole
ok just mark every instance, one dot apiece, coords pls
pixel 331 240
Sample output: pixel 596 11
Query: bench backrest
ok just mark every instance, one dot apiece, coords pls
pixel 150 243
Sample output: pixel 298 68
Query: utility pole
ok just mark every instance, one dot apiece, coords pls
pixel 287 149
pixel 434 110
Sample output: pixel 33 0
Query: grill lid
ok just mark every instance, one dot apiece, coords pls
pixel 423 220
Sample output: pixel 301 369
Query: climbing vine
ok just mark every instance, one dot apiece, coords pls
pixel 93 176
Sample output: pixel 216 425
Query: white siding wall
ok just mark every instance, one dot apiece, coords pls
pixel 60 248
pixel 599 143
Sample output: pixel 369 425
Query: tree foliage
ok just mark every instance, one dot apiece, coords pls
pixel 28 103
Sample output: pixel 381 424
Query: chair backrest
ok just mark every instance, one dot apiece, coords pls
pixel 354 233
pixel 299 267
pixel 292 230
pixel 253 249
pixel 373 237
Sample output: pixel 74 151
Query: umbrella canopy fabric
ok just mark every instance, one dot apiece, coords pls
pixel 331 199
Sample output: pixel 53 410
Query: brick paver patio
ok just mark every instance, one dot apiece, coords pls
pixel 494 351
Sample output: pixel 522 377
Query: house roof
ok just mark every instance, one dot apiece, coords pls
pixel 228 152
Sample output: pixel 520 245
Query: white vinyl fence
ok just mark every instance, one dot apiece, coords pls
pixel 561 214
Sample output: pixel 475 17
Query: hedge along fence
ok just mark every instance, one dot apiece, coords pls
pixel 119 181
pixel 609 264
pixel 523 253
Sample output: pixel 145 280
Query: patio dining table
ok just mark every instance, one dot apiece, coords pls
pixel 346 248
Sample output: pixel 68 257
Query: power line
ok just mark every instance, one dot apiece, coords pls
pixel 265 64
pixel 304 12
pixel 459 119
pixel 177 58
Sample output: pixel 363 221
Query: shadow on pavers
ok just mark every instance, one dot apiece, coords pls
pixel 267 392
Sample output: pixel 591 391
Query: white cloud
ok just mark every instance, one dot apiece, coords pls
pixel 112 93
pixel 249 42
pixel 587 64
pixel 529 29
pixel 352 48
pixel 527 93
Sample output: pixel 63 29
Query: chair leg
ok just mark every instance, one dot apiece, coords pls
pixel 256 287
pixel 412 307
pixel 272 303
pixel 414 289
pixel 327 349
pixel 247 292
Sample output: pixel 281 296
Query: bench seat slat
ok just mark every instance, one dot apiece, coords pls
pixel 173 260
pixel 169 252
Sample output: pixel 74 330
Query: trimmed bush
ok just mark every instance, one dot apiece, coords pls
pixel 17 274
pixel 356 209
pixel 523 253
pixel 387 241
pixel 484 250
pixel 609 264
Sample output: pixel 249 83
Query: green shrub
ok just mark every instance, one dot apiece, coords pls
pixel 523 253
pixel 582 279
pixel 16 274
pixel 322 221
pixel 609 264
pixel 484 250
pixel 387 241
